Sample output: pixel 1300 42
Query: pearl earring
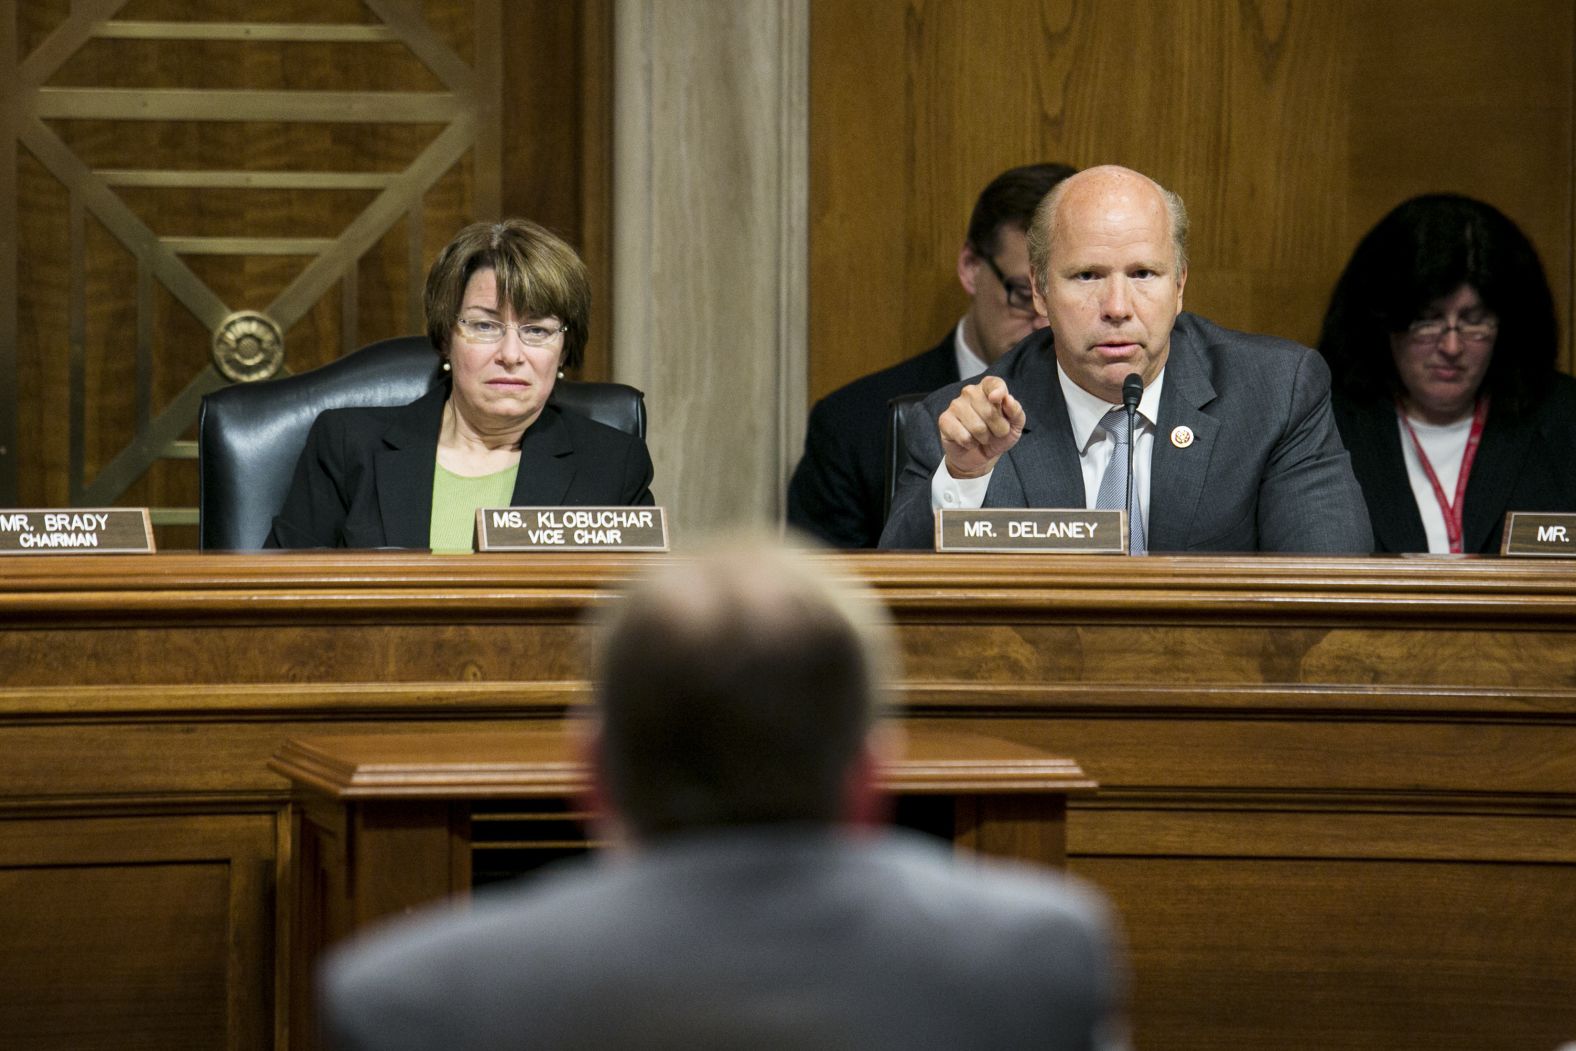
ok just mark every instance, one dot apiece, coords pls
pixel 560 373
pixel 445 366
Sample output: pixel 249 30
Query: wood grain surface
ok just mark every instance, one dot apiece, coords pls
pixel 1288 128
pixel 102 346
pixel 1337 802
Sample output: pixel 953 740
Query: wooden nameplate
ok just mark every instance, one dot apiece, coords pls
pixel 571 529
pixel 1068 531
pixel 76 531
pixel 1531 535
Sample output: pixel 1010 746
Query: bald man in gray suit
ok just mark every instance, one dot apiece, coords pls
pixel 753 902
pixel 1234 445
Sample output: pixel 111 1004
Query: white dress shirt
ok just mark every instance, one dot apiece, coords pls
pixel 1444 447
pixel 1084 412
pixel 970 364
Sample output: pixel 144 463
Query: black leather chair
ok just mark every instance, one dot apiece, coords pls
pixel 903 412
pixel 250 436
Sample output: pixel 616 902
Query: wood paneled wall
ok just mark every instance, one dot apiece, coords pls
pixel 110 356
pixel 557 139
pixel 1288 127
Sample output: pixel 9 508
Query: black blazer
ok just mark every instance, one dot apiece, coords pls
pixel 365 476
pixel 1526 462
pixel 838 490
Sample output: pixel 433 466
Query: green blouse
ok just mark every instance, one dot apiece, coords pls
pixel 455 499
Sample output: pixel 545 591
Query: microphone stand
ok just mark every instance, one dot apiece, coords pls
pixel 1132 391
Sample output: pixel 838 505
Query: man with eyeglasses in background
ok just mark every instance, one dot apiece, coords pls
pixel 836 491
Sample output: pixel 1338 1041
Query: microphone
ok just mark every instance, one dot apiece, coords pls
pixel 1132 391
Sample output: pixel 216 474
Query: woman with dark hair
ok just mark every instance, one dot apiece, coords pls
pixel 1441 340
pixel 508 305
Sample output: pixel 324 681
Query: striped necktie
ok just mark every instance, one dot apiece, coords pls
pixel 1113 486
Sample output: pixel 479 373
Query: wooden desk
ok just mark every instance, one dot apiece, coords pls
pixel 1337 803
pixel 385 823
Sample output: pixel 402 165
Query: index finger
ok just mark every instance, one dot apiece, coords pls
pixel 994 388
pixel 1012 411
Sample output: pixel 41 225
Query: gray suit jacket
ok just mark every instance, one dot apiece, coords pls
pixel 787 937
pixel 1266 470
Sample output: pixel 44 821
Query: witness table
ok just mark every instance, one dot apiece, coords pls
pixel 384 823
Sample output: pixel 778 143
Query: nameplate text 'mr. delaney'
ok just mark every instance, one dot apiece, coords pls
pixel 1051 530
pixel 77 530
pixel 571 529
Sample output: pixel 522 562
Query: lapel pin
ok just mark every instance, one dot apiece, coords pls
pixel 1182 437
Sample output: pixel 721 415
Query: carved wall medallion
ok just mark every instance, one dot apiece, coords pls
pixel 248 346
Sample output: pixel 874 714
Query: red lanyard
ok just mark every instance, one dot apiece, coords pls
pixel 1451 511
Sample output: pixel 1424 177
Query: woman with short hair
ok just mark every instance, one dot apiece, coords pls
pixel 508 305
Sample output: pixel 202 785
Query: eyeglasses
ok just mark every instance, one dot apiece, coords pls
pixel 1433 330
pixel 487 330
pixel 1019 297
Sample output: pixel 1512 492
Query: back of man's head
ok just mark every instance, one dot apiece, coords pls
pixel 1010 200
pixel 738 687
